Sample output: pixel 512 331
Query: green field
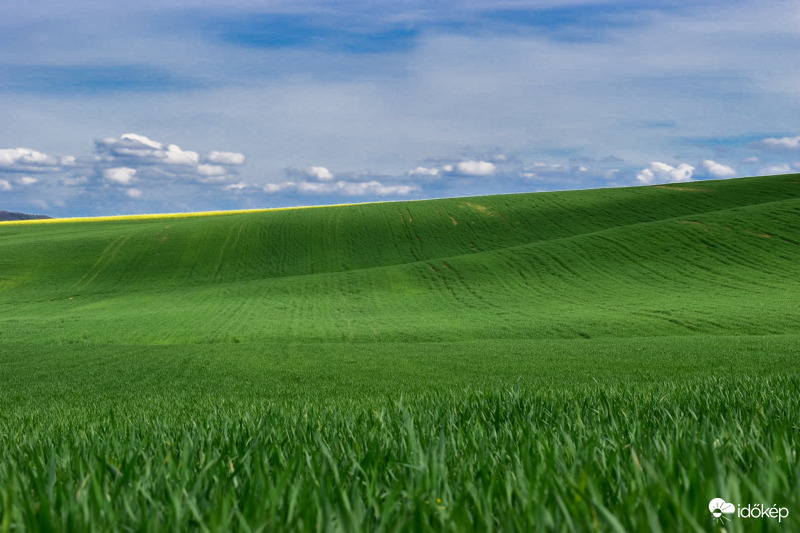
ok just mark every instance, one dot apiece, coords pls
pixel 574 361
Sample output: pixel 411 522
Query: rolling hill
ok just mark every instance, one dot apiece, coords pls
pixel 704 258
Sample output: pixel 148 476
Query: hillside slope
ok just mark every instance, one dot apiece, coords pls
pixel 713 257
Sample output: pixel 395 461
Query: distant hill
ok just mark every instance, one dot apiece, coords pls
pixel 9 215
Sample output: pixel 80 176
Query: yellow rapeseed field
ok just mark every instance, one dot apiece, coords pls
pixel 119 218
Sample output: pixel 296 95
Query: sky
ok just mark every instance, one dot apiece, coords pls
pixel 110 107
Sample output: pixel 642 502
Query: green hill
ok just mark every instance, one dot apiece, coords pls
pixel 715 257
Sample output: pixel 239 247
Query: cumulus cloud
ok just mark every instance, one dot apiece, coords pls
pixel 137 140
pixel 475 168
pixel 319 181
pixel 129 145
pixel 319 173
pixel 137 167
pixel 175 156
pixel 460 168
pixel 120 175
pixel 142 150
pixel 26 160
pixel 424 171
pixel 717 170
pixel 154 162
pixel 779 144
pixel 659 172
pixel 225 158
pixel 462 176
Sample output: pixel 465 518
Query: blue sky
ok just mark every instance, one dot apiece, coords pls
pixel 140 107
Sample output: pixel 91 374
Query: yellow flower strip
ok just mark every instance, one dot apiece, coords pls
pixel 161 216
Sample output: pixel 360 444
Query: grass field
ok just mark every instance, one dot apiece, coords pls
pixel 588 360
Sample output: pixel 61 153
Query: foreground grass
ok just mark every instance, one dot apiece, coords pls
pixel 571 435
pixel 597 457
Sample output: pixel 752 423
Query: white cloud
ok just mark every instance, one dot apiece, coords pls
pixel 175 156
pixel 272 188
pixel 121 175
pixel 141 139
pixel 5 185
pixel 462 168
pixel 782 144
pixel 130 145
pixel 341 187
pixel 354 188
pixel 776 169
pixel 225 158
pixel 750 160
pixel 138 149
pixel 211 170
pixel 27 180
pixel 154 163
pixel 717 170
pixel 26 160
pixel 424 171
pixel 659 172
pixel 134 193
pixel 319 173
pixel 309 187
pixel 475 168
